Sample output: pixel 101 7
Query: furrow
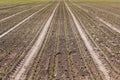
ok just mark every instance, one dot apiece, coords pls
pixel 104 49
pixel 90 47
pixel 17 13
pixel 17 25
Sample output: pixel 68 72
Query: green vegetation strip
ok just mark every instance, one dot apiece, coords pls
pixel 52 67
pixel 71 67
pixel 96 0
pixel 23 1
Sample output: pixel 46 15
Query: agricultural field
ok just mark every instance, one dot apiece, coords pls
pixel 59 40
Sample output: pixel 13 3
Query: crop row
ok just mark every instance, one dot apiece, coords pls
pixel 103 37
pixel 15 9
pixel 17 40
pixel 15 20
pixel 109 16
pixel 63 55
pixel 90 65
pixel 106 7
